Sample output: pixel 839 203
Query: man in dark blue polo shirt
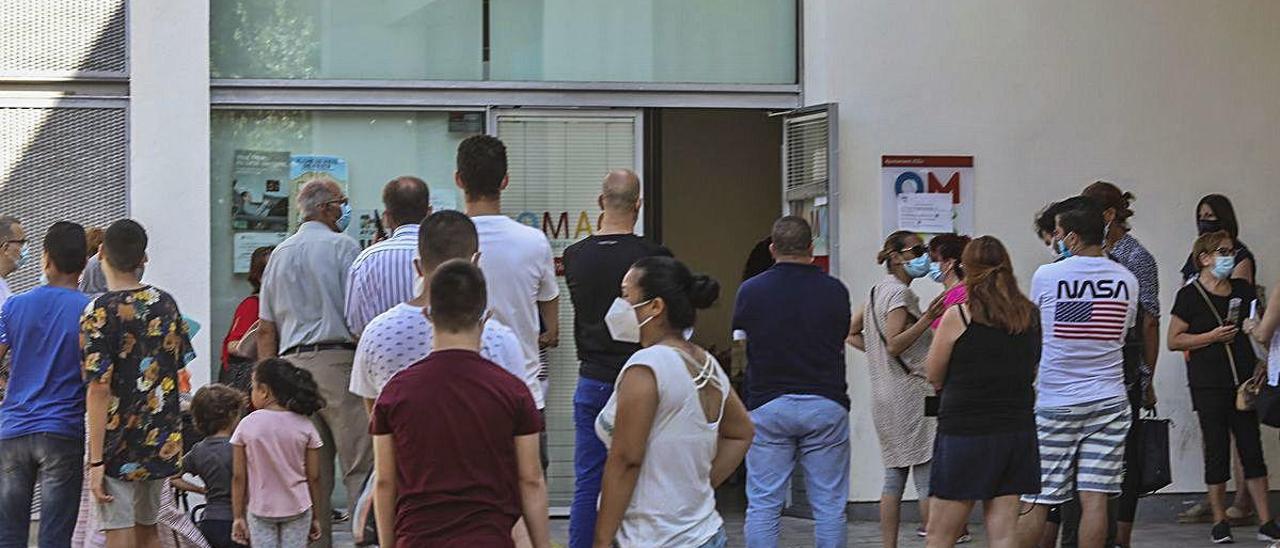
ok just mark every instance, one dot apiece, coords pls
pixel 795 318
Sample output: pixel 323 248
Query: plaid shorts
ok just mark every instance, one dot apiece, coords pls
pixel 1081 449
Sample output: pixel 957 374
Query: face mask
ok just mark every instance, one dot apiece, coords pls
pixel 1223 266
pixel 344 220
pixel 622 322
pixel 1205 227
pixel 917 267
pixel 687 333
pixel 935 272
pixel 1052 248
pixel 44 279
pixel 1063 250
pixel 23 256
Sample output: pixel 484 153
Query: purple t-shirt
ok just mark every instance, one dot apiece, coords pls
pixel 955 296
pixel 275 445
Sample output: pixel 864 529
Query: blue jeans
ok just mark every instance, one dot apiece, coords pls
pixel 588 460
pixel 810 430
pixel 57 462
pixel 720 540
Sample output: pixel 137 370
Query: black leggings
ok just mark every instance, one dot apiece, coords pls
pixel 1219 420
pixel 1127 506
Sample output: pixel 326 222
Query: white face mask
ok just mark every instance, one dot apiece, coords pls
pixel 622 322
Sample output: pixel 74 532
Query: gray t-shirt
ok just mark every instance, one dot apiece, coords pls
pixel 210 459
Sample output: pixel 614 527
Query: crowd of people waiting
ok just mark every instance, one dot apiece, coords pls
pixel 414 366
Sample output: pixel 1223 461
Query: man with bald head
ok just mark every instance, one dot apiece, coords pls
pixel 594 268
pixel 383 275
pixel 301 312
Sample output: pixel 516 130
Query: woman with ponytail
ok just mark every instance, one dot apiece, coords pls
pixel 276 460
pixel 983 358
pixel 674 427
pixel 895 335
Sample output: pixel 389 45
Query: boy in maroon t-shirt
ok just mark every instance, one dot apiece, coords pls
pixel 455 437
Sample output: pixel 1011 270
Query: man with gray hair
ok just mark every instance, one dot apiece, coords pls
pixel 13 252
pixel 593 269
pixel 794 318
pixel 301 313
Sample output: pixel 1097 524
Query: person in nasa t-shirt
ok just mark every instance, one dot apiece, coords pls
pixel 1087 304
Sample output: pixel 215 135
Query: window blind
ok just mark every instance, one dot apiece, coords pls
pixel 556 164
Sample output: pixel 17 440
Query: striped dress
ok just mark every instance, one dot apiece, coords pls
pixel 897 410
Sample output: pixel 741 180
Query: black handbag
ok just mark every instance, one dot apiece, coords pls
pixel 1267 405
pixel 1149 437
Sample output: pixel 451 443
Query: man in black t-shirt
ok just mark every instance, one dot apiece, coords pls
pixel 594 268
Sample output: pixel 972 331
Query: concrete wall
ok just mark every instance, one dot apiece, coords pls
pixel 1170 99
pixel 720 195
pixel 169 153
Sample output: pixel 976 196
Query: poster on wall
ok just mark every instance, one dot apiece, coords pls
pixel 259 196
pixel 309 166
pixel 950 176
pixel 245 243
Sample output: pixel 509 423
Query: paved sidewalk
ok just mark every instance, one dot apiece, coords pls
pixel 798 532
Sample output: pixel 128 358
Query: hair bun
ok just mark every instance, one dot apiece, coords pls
pixel 703 291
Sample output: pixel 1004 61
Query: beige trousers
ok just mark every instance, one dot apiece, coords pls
pixel 344 427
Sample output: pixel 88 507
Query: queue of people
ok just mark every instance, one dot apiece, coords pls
pixel 415 366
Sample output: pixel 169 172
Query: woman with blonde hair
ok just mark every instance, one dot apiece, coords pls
pixel 983 359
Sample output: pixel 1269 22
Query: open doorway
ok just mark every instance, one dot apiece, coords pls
pixel 718 174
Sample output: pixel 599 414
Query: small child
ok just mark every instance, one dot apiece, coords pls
pixel 276 460
pixel 216 409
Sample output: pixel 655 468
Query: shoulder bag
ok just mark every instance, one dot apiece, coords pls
pixel 1247 391
pixel 875 322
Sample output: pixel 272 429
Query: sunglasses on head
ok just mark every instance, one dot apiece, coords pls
pixel 915 250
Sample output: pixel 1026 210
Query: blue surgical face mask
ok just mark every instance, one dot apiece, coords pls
pixel 1223 266
pixel 1063 250
pixel 935 272
pixel 24 255
pixel 917 267
pixel 344 220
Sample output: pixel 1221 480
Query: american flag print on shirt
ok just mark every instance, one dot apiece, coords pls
pixel 1097 320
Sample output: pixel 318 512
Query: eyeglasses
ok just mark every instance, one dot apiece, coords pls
pixel 339 202
pixel 19 242
pixel 1225 251
pixel 916 250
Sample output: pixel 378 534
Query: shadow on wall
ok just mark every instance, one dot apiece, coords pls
pixel 64 163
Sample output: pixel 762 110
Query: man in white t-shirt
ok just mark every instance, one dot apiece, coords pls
pixel 401 336
pixel 518 266
pixel 1087 304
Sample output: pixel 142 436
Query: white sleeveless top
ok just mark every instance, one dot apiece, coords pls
pixel 1273 354
pixel 673 503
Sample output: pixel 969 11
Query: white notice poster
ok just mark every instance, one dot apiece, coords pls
pixel 949 176
pixel 246 242
pixel 925 213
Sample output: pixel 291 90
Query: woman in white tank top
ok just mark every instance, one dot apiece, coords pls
pixel 674 427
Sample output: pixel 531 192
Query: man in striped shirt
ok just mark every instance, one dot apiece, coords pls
pixel 382 276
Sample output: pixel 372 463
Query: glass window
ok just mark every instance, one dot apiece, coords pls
pixel 709 41
pixel 336 39
pixel 256 155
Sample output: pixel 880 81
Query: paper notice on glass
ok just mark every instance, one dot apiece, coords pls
pixel 246 242
pixel 925 213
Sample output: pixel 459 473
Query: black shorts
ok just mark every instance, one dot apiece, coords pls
pixel 982 467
